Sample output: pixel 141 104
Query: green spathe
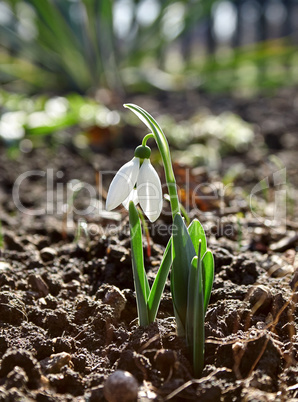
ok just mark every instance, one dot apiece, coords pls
pixel 142 152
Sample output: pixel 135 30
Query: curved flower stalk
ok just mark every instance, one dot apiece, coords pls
pixel 164 150
pixel 148 192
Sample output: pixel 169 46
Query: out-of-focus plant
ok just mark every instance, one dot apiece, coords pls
pixel 204 138
pixel 31 118
pixel 84 44
pixel 72 42
pixel 82 228
pixel 249 69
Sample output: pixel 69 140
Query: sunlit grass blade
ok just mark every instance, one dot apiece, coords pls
pixel 55 34
pixel 14 67
pixel 106 41
pixel 183 253
pixel 208 276
pixel 91 31
pixel 197 234
pixel 59 124
pixel 159 282
pixel 140 279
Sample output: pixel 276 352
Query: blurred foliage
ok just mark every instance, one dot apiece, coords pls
pixel 205 138
pixel 249 69
pixel 201 140
pixel 80 45
pixel 26 121
pixel 69 45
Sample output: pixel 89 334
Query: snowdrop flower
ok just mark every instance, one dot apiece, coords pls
pixel 148 190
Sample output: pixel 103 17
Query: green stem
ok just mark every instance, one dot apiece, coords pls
pixel 146 230
pixel 146 138
pixel 164 150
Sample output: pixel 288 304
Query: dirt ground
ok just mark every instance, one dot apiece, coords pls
pixel 67 306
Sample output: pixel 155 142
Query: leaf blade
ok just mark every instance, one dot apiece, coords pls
pixel 197 234
pixel 139 275
pixel 190 302
pixel 183 253
pixel 208 276
pixel 199 321
pixel 159 282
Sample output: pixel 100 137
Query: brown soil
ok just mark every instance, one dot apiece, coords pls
pixel 67 306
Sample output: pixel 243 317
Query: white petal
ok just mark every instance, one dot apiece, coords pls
pixel 133 196
pixel 149 191
pixel 122 184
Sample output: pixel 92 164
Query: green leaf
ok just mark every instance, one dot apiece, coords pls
pixel 159 282
pixel 190 302
pixel 198 320
pixel 197 234
pixel 179 322
pixel 139 275
pixel 208 276
pixel 152 124
pixel 55 35
pixel 59 124
pixel 195 313
pixel 183 253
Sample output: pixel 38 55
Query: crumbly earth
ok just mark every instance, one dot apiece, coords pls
pixel 67 306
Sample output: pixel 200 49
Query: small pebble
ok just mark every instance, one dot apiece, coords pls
pixel 48 254
pixel 116 299
pixel 25 360
pixel 38 285
pixel 285 243
pixel 260 299
pixel 121 386
pixel 276 266
pixel 54 363
pixel 117 253
pixel 5 266
pixel 12 242
pixel 17 378
pixel 165 360
pixel 12 309
pixel 51 301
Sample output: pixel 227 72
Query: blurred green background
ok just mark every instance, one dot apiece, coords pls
pixel 63 61
pixel 81 45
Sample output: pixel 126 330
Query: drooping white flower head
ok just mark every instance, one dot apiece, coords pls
pixel 123 183
pixel 148 192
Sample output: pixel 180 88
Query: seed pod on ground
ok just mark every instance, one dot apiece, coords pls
pixel 121 386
